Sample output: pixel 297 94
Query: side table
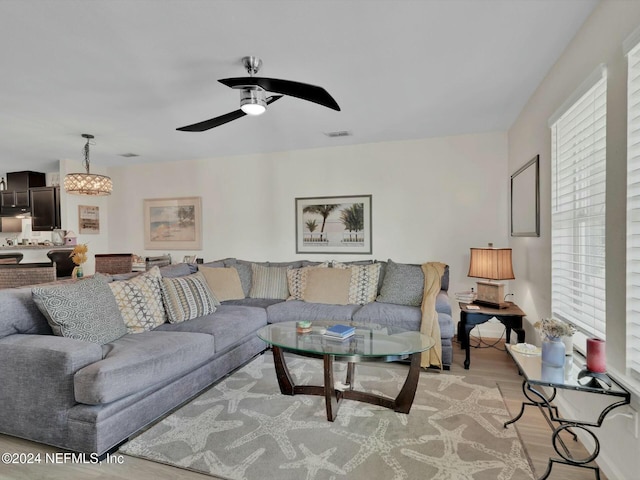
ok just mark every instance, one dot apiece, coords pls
pixel 536 374
pixel 510 317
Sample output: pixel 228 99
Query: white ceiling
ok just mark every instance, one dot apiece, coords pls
pixel 131 71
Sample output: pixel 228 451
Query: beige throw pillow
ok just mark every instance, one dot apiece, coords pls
pixel 297 280
pixel 224 282
pixel 327 285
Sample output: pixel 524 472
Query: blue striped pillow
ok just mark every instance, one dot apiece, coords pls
pixel 269 282
pixel 186 298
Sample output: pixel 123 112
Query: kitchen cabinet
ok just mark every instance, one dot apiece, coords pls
pixel 45 208
pixel 21 181
pixel 15 198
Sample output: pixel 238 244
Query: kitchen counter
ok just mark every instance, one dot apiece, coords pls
pixel 32 247
pixel 32 253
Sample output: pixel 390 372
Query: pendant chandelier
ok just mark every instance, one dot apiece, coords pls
pixel 87 183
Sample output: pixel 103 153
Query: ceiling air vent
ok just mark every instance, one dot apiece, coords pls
pixel 339 133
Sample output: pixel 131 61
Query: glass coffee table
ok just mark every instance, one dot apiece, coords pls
pixel 371 343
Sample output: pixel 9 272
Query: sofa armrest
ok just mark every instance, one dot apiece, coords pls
pixel 36 374
pixel 443 303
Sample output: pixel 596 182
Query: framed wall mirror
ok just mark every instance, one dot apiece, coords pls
pixel 525 200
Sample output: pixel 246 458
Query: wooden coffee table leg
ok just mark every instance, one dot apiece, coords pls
pixel 404 400
pixel 282 372
pixel 351 374
pixel 330 393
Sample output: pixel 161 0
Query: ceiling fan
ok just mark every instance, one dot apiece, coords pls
pixel 254 99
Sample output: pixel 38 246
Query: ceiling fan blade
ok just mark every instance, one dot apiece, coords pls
pixel 221 120
pixel 213 122
pixel 305 91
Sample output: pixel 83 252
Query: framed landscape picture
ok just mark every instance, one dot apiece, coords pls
pixel 173 223
pixel 333 225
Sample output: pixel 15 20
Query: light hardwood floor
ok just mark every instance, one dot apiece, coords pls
pixel 491 363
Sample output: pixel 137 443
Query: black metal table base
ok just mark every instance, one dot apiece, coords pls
pixel 559 425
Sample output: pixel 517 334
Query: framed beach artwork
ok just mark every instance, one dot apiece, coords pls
pixel 88 219
pixel 334 225
pixel 173 223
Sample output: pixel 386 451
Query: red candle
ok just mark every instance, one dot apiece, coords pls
pixel 596 359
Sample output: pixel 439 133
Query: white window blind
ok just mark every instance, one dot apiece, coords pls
pixel 578 179
pixel 633 213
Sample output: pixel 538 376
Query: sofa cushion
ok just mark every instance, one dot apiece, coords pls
pixel 363 287
pixel 135 362
pixel 403 284
pixel 84 310
pixel 20 314
pixel 405 316
pixel 229 325
pixel 269 282
pixel 140 301
pixel 253 302
pixel 327 285
pixel 244 272
pixel 297 280
pixel 293 264
pixel 187 297
pixel 299 310
pixel 176 270
pixel 223 282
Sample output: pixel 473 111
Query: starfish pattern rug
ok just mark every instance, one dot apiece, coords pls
pixel 244 429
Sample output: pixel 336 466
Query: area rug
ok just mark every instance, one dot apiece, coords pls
pixel 243 428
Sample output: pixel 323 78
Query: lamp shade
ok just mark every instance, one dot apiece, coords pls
pixel 87 184
pixel 491 263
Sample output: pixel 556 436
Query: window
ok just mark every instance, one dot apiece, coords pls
pixel 633 211
pixel 578 175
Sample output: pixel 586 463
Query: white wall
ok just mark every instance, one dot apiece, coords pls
pixel 599 41
pixel 433 199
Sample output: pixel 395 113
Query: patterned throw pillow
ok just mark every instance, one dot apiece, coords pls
pixel 403 284
pixel 84 310
pixel 297 280
pixel 140 301
pixel 269 282
pixel 364 282
pixel 186 298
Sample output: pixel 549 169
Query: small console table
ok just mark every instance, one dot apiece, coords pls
pixel 510 317
pixel 536 374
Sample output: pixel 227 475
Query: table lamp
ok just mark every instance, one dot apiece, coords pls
pixel 492 264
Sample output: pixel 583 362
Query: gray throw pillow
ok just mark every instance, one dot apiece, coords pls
pixel 84 310
pixel 403 284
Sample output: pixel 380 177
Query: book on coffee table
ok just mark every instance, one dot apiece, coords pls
pixel 340 331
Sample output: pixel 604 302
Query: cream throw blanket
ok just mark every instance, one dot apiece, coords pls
pixel 433 272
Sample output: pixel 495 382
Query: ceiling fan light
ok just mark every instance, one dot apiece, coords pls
pixel 253 101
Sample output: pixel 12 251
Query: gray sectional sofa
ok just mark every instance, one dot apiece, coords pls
pixel 87 397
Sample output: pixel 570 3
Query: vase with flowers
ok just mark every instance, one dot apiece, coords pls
pixel 554 348
pixel 79 256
